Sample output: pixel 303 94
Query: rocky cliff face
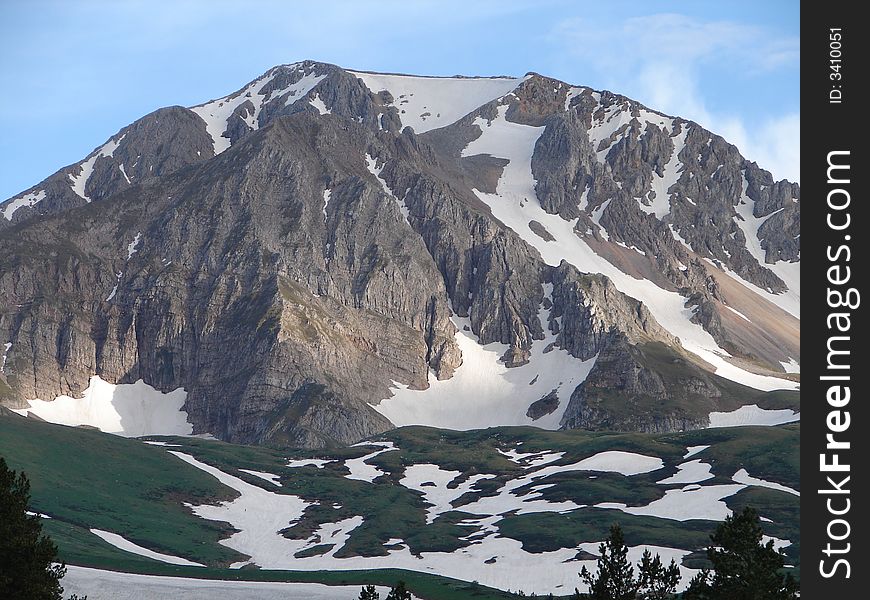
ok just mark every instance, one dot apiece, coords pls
pixel 288 252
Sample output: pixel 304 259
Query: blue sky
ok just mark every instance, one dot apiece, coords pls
pixel 74 72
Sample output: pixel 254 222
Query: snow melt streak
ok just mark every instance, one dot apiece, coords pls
pixel 515 204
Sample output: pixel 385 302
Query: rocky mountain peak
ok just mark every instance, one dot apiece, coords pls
pixel 324 252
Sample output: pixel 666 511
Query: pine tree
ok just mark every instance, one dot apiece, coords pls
pixel 615 579
pixel 743 567
pixel 369 592
pixel 656 581
pixel 27 558
pixel 399 592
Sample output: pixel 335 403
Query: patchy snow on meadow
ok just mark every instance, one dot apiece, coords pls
pixel 742 476
pixel 617 461
pixel 432 481
pixel 690 502
pixel 260 515
pixel 693 450
pixel 270 477
pixel 126 545
pixel 127 409
pixel 359 467
pixel 693 471
pixel 308 462
pixel 529 460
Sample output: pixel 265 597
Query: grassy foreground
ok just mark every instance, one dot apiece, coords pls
pixel 86 479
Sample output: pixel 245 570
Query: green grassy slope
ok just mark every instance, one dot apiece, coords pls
pixel 86 479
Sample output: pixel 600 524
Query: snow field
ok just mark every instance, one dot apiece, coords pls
pixel 112 585
pixel 427 103
pixel 751 414
pixel 217 113
pixel 259 515
pixel 515 204
pixel 127 409
pixel 483 392
pixel 690 502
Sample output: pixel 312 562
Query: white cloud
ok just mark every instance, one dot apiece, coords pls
pixel 659 60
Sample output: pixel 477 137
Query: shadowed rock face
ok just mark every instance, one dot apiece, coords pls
pixel 288 280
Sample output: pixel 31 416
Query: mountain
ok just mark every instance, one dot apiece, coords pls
pixel 325 254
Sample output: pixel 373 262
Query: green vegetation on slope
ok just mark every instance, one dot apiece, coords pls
pixel 89 479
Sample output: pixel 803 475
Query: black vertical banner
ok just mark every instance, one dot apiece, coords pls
pixel 835 424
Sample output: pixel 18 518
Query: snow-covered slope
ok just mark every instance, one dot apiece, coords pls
pixel 128 409
pixel 427 103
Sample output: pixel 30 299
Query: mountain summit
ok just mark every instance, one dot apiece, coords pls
pixel 327 253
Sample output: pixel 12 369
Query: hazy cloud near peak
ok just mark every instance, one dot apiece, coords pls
pixel 659 59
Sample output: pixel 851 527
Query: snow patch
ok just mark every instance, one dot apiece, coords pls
pixel 126 409
pixel 317 102
pixel 531 459
pixel 427 103
pixel 326 195
pixel 483 392
pixel 660 206
pixel 739 314
pixel 6 348
pixel 27 200
pixel 133 246
pixel 270 477
pixel 217 113
pixel 305 462
pixel 617 461
pixel 124 544
pixel 361 470
pixel 789 272
pixel 98 584
pixel 80 181
pixel 751 414
pixel 742 476
pixel 792 366
pixel 422 477
pixel 693 450
pixel 693 471
pixel 691 502
pixel 371 163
